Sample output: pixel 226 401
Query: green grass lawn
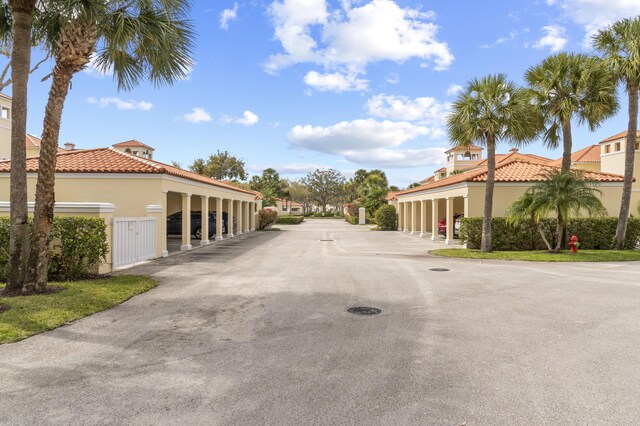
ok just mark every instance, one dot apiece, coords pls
pixel 29 315
pixel 543 256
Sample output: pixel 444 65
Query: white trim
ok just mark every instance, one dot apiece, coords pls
pixel 154 208
pixel 206 185
pixel 66 207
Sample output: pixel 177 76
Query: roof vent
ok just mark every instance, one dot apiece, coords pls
pixel 514 150
pixel 69 146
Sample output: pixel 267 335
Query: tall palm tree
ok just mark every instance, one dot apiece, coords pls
pixel 137 40
pixel 567 194
pixel 21 34
pixel 568 85
pixel 490 110
pixel 620 48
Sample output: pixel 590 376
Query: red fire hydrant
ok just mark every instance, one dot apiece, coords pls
pixel 574 244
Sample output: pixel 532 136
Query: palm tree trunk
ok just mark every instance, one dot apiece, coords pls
pixel 22 14
pixel 486 245
pixel 559 232
pixel 567 141
pixel 629 157
pixel 544 237
pixel 45 191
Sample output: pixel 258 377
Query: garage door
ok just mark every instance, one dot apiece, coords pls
pixel 134 240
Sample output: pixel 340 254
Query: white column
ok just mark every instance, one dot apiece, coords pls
pixel 162 236
pixel 449 218
pixel 414 217
pixel 186 222
pixel 239 218
pixel 423 218
pixel 252 215
pixel 400 213
pixel 434 219
pixel 230 219
pixel 219 219
pixel 405 222
pixel 204 220
pixel 247 224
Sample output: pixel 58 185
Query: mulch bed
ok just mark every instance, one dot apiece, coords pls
pixel 48 290
pixel 4 308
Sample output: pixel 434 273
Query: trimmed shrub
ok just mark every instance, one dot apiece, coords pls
pixel 289 220
pixel 387 218
pixel 78 247
pixel 594 233
pixel 351 219
pixel 352 208
pixel 266 217
pixel 320 214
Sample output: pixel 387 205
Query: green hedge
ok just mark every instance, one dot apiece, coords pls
pixel 354 220
pixel 289 220
pixel 593 233
pixel 387 218
pixel 77 249
pixel 320 214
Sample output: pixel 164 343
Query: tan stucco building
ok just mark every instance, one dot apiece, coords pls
pixel 459 187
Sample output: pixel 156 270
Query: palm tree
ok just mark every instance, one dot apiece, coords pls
pixel 620 47
pixel 567 194
pixel 489 111
pixel 21 35
pixel 136 39
pixel 568 85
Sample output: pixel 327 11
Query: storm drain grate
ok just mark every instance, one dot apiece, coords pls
pixel 364 310
pixel 322 241
pixel 439 269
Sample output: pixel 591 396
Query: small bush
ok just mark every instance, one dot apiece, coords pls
pixel 387 218
pixel 289 220
pixel 352 208
pixel 77 249
pixel 593 233
pixel 351 219
pixel 320 214
pixel 266 217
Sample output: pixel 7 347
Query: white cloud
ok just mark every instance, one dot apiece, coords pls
pixel 454 89
pixel 369 141
pixel 197 115
pixel 501 40
pixel 593 15
pixel 228 15
pixel 347 39
pixel 555 38
pixel 121 104
pixel 393 78
pixel 248 119
pixel 335 82
pixel 94 70
pixel 423 110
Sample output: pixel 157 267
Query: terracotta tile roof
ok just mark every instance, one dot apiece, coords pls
pixel 108 160
pixel 517 169
pixel 500 158
pixel 590 154
pixel 441 169
pixel 429 179
pixel 35 142
pixel 392 196
pixel 468 148
pixel 618 136
pixel 132 144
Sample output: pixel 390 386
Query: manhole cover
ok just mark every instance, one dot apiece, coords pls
pixel 325 240
pixel 439 269
pixel 364 310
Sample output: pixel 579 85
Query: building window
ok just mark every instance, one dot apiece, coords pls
pixel 617 147
pixel 607 149
pixel 4 113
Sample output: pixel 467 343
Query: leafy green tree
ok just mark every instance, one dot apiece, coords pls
pixel 488 111
pixel 566 86
pixel 136 39
pixel 619 46
pixel 269 182
pixel 325 186
pixel 413 185
pixel 373 191
pixel 220 166
pixel 394 188
pixel 565 194
pixel 300 193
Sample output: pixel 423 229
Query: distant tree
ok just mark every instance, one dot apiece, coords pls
pixel 394 188
pixel 300 193
pixel 373 192
pixel 565 194
pixel 353 186
pixel 413 185
pixel 269 183
pixel 620 47
pixel 325 186
pixel 176 164
pixel 220 166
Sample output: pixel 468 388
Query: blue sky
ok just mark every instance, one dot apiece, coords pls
pixel 300 84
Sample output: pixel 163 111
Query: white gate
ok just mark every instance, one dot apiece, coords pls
pixel 134 240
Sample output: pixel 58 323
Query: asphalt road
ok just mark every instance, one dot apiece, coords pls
pixel 254 331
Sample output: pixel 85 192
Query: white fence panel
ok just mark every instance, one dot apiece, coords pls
pixel 134 240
